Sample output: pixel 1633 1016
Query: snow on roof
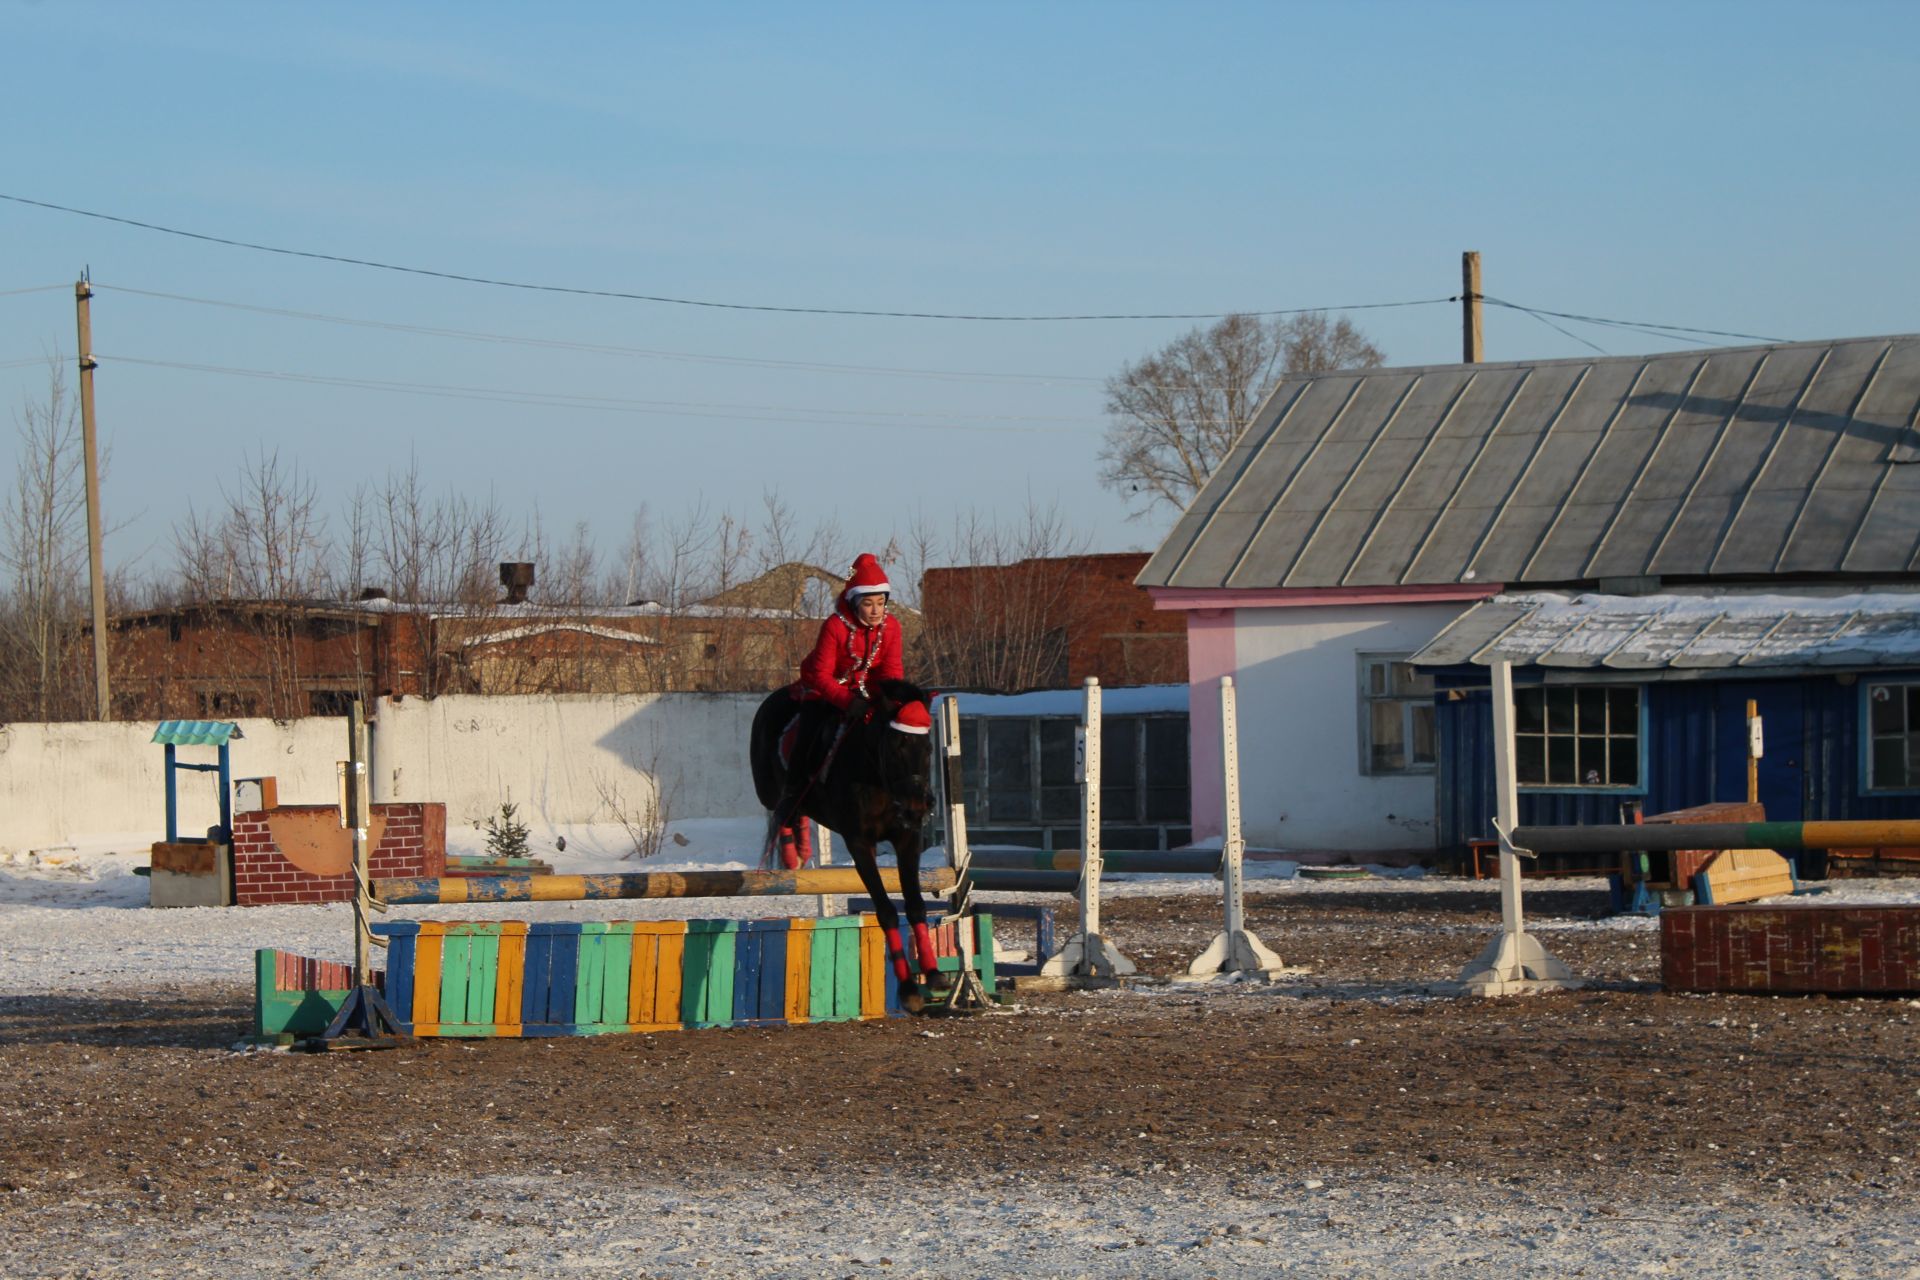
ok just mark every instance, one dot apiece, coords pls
pixel 1699 630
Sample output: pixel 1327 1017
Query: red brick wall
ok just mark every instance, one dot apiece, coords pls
pixel 1791 949
pixel 1114 634
pixel 415 844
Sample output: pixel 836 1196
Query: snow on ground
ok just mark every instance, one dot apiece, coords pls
pixel 75 918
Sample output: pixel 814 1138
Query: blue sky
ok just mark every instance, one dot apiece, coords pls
pixel 1743 167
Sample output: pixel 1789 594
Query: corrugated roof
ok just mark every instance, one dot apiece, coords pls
pixel 196 733
pixel 1735 461
pixel 1710 631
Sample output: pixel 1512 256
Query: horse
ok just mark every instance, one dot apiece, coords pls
pixel 874 788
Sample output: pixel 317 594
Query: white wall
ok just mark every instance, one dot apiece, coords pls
pixel 561 758
pixel 1298 679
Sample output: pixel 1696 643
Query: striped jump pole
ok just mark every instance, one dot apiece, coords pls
pixel 1514 961
pixel 1087 954
pixel 1236 948
pixel 414 891
pixel 1665 837
pixel 1177 862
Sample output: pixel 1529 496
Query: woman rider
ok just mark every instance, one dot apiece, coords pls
pixel 860 643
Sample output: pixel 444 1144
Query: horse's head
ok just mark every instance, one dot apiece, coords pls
pixel 900 749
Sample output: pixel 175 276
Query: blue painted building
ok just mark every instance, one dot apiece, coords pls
pixel 1644 698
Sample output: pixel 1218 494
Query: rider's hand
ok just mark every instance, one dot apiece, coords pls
pixel 856 709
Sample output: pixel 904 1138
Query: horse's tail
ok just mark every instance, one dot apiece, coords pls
pixel 763 749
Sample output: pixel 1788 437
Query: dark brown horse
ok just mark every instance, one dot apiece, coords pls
pixel 872 790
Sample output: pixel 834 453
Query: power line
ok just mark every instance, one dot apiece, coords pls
pixel 696 409
pixel 600 348
pixel 38 288
pixel 684 302
pixel 1643 326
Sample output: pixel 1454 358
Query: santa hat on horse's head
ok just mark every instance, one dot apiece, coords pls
pixel 912 717
pixel 868 578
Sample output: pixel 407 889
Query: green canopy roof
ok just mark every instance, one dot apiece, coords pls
pixel 196 733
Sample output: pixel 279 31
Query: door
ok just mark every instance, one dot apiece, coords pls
pixel 1783 772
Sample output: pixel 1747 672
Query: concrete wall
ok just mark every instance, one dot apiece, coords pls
pixel 1297 676
pixel 563 759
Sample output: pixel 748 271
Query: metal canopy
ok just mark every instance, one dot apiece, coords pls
pixel 1735 461
pixel 196 733
pixel 1714 631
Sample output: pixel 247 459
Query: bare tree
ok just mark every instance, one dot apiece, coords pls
pixel 439 557
pixel 44 549
pixel 997 600
pixel 262 560
pixel 1177 412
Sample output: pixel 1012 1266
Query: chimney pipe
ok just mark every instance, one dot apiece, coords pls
pixel 517 578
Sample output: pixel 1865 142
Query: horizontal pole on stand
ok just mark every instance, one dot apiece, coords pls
pixel 643 884
pixel 1665 837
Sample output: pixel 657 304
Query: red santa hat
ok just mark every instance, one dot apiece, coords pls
pixel 911 718
pixel 868 578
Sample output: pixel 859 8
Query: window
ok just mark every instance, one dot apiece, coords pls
pixel 1020 785
pixel 1893 736
pixel 1396 715
pixel 1577 736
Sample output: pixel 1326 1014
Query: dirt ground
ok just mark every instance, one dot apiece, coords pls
pixel 142 1110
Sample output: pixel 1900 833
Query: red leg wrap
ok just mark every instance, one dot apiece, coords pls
pixel 803 840
pixel 923 947
pixel 897 950
pixel 789 854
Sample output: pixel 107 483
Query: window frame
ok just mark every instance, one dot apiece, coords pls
pixel 1867 787
pixel 1129 776
pixel 1638 788
pixel 1367 660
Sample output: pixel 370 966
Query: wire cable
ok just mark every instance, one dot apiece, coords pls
pixel 1642 325
pixel 601 348
pixel 616 404
pixel 38 288
pixel 685 302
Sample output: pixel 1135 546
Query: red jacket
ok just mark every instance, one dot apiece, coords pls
pixel 847 656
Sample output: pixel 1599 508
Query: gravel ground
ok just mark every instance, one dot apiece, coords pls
pixel 1359 1120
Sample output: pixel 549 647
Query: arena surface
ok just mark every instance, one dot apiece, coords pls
pixel 1363 1119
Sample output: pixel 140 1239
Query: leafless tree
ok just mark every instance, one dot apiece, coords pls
pixel 996 600
pixel 260 559
pixel 1175 413
pixel 439 557
pixel 44 550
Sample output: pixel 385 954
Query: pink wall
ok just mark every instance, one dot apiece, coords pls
pixel 1210 655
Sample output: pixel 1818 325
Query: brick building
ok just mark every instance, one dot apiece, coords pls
pixel 1067 618
pixel 287 658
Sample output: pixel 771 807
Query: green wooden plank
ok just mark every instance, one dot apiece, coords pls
pixel 483 980
pixel 456 964
pixel 617 975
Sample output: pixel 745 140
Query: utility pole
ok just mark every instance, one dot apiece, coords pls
pixel 1470 347
pixel 82 301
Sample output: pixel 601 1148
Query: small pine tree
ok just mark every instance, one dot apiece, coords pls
pixel 507 835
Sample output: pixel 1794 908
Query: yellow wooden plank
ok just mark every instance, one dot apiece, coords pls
pixel 873 970
pixel 426 977
pixel 799 970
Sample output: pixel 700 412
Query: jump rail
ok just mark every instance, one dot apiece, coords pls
pixel 1665 838
pixel 643 884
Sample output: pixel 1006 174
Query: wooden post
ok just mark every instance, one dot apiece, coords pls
pixel 364 1021
pixel 953 801
pixel 1470 345
pixel 83 316
pixel 1087 954
pixel 1754 749
pixel 1514 961
pixel 1235 949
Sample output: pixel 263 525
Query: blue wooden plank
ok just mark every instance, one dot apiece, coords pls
pixel 402 942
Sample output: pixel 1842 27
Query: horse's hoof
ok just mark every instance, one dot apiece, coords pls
pixel 938 981
pixel 912 1001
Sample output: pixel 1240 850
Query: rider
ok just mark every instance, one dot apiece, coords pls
pixel 860 643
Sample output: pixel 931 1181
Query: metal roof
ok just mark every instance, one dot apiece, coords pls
pixel 1735 461
pixel 196 733
pixel 1672 632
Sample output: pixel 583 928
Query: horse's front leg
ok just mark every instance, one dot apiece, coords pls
pixel 864 852
pixel 906 849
